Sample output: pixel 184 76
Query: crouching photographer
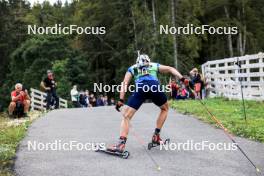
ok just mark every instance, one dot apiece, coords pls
pixel 20 102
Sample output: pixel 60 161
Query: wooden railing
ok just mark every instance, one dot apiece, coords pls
pixel 38 100
pixel 224 77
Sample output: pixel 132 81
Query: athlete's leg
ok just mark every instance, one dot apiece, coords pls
pixel 127 116
pixel 160 99
pixel 133 104
pixel 163 115
pixel 124 128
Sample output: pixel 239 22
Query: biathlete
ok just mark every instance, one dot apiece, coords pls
pixel 145 73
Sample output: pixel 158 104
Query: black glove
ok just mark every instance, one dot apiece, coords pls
pixel 119 104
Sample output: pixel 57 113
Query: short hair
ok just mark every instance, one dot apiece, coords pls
pixel 18 85
pixel 49 71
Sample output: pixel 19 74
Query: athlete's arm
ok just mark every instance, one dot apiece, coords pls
pixel 124 85
pixel 171 70
pixel 123 90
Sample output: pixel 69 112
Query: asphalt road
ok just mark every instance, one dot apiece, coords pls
pixel 101 124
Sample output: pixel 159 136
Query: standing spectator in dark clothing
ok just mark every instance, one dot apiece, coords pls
pixel 49 84
pixel 82 99
pixel 100 101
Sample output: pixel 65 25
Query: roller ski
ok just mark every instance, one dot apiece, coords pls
pixel 157 141
pixel 117 150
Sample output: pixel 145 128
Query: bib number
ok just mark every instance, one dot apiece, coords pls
pixel 143 71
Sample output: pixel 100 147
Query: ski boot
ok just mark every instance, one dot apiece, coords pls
pixel 156 141
pixel 118 149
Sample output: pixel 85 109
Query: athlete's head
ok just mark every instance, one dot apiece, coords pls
pixel 143 60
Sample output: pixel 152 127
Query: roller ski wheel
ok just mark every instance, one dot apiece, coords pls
pixel 152 144
pixel 125 154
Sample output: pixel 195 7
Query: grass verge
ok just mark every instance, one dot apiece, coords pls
pixel 12 131
pixel 230 113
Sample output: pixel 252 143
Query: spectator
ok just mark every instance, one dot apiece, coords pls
pixel 75 97
pixel 112 102
pixel 92 100
pixel 19 98
pixel 49 84
pixel 105 98
pixel 182 93
pixel 197 83
pixel 100 101
pixel 82 99
pixel 87 98
pixel 174 89
pixel 191 94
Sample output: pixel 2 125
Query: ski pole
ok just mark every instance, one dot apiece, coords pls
pixel 141 142
pixel 228 134
pixel 241 89
pixel 139 139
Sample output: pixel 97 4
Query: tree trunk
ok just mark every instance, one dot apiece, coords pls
pixel 154 26
pixel 240 45
pixel 134 27
pixel 242 35
pixel 239 40
pixel 173 21
pixel 244 39
pixel 229 36
pixel 154 17
pixel 145 4
pixel 244 28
